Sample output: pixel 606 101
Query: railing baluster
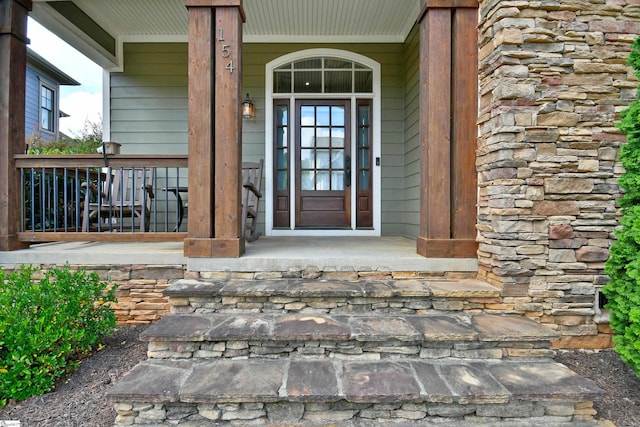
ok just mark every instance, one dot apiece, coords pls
pixel 166 199
pixel 65 201
pixel 177 200
pixel 52 196
pixel 99 201
pixel 22 201
pixel 144 199
pixel 77 205
pixel 33 200
pixel 43 183
pixel 154 201
pixel 122 193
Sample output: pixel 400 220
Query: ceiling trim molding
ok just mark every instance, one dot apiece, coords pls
pixel 323 39
pixel 60 26
pixel 178 38
pixel 272 39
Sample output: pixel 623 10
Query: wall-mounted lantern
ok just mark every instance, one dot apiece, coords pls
pixel 248 111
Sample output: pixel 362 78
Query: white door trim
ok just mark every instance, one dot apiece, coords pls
pixel 376 142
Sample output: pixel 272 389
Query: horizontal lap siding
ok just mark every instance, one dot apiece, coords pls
pixel 393 186
pixel 149 99
pixel 149 108
pixel 412 134
pixel 32 104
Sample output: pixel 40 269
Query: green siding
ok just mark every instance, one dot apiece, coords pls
pixel 149 111
pixel 411 58
pixel 149 99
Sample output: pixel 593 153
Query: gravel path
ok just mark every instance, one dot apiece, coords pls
pixel 79 401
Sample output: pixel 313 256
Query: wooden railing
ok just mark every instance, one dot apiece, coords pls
pixel 76 198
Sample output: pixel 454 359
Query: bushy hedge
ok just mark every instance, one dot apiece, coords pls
pixel 623 267
pixel 89 140
pixel 46 324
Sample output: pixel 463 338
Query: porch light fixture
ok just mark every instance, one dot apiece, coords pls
pixel 248 111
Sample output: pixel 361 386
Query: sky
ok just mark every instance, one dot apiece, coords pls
pixel 82 102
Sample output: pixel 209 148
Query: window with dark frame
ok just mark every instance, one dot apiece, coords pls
pixel 47 108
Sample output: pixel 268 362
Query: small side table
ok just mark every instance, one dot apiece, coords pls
pixel 177 191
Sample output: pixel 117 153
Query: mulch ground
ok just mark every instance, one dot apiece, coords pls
pixel 79 401
pixel 621 402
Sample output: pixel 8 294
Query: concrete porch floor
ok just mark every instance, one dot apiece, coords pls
pixel 387 253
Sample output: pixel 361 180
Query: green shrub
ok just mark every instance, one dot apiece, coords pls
pixel 623 267
pixel 62 145
pixel 46 324
pixel 89 140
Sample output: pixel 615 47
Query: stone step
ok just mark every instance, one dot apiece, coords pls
pixel 324 391
pixel 408 296
pixel 363 337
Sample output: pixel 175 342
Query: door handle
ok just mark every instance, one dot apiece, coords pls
pixel 347 171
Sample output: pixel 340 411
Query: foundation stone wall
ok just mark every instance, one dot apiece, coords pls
pixel 553 81
pixel 140 287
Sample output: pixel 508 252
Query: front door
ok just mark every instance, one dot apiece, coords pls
pixel 323 145
pixel 323 164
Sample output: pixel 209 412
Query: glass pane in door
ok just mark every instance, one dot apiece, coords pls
pixel 323 195
pixel 322 147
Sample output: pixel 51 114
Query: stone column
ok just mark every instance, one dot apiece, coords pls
pixel 448 131
pixel 13 63
pixel 215 128
pixel 553 81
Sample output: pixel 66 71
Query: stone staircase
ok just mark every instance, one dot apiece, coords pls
pixel 369 352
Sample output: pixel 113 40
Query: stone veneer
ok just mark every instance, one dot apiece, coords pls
pixel 141 300
pixel 140 287
pixel 517 414
pixel 553 80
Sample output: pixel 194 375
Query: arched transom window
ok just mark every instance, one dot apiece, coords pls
pixel 323 75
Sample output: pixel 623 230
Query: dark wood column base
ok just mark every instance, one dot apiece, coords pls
pixel 213 248
pixel 11 243
pixel 447 248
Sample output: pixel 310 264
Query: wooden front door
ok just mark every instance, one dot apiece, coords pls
pixel 323 164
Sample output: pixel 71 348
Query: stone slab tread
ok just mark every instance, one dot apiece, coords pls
pixel 323 380
pixel 440 327
pixel 295 288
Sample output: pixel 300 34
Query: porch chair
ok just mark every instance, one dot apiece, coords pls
pixel 251 184
pixel 125 193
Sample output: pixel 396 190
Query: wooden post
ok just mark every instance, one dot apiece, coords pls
pixel 215 128
pixel 448 115
pixel 13 66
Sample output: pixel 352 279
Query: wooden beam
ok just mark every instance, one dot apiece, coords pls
pixel 200 122
pixel 448 115
pixel 97 160
pixel 446 4
pixel 218 3
pixel 435 124
pixel 215 128
pixel 447 248
pixel 101 237
pixel 228 124
pixel 464 130
pixel 13 63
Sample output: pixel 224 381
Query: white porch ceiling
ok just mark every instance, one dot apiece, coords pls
pixel 267 20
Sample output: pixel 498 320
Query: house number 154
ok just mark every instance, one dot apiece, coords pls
pixel 226 52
